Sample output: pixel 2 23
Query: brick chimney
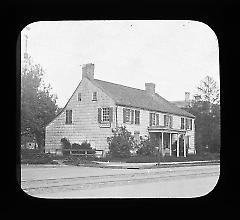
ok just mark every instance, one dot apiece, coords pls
pixel 187 96
pixel 150 88
pixel 88 71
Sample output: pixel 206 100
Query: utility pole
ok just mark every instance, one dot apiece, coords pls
pixel 26 41
pixel 25 56
pixel 25 53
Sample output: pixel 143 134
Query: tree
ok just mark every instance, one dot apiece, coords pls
pixel 38 106
pixel 207 113
pixel 209 90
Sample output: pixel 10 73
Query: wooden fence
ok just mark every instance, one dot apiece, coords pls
pixel 83 152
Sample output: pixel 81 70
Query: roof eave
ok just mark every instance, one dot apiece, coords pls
pixel 149 109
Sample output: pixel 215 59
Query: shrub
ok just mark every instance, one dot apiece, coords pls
pixel 83 146
pixel 29 153
pixel 147 147
pixel 76 146
pixel 86 145
pixel 35 156
pixel 66 145
pixel 121 143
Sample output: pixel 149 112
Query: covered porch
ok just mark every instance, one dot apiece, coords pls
pixel 170 142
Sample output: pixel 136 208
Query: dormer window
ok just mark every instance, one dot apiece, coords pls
pixel 94 96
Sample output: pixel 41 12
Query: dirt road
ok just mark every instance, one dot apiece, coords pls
pixel 88 182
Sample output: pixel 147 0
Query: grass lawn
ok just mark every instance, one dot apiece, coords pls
pixel 81 160
pixel 153 159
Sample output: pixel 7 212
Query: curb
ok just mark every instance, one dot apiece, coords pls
pixel 155 165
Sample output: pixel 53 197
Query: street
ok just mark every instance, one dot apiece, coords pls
pixel 92 182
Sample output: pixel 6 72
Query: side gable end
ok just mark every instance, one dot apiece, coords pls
pixel 95 84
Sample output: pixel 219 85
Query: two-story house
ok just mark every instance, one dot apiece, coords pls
pixel 96 107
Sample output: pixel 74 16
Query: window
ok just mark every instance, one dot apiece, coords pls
pixel 68 116
pixel 137 117
pixel 188 124
pixel 131 116
pixel 105 114
pixel 94 97
pixel 166 120
pixel 79 97
pixel 182 123
pixel 170 121
pixel 126 115
pixel 152 119
pixel 157 119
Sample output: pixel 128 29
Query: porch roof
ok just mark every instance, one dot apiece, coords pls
pixel 165 129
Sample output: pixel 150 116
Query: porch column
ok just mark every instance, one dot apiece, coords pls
pixel 170 142
pixel 162 145
pixel 177 145
pixel 184 146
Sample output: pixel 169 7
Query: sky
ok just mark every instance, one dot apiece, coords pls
pixel 174 54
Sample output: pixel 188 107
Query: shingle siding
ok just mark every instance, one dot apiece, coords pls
pixel 85 124
pixel 144 123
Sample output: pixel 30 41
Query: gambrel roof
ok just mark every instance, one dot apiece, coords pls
pixel 132 97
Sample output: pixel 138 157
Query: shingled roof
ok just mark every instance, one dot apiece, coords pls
pixel 132 97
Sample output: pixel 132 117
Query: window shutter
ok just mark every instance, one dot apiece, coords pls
pixel 99 115
pixel 190 124
pixel 124 115
pixel 165 120
pixel 150 119
pixel 139 117
pixel 132 116
pixel 66 116
pixel 70 117
pixel 111 114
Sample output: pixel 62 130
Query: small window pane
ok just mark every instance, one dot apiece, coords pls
pixel 105 114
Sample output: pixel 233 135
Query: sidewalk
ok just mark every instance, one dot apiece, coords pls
pixel 152 165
